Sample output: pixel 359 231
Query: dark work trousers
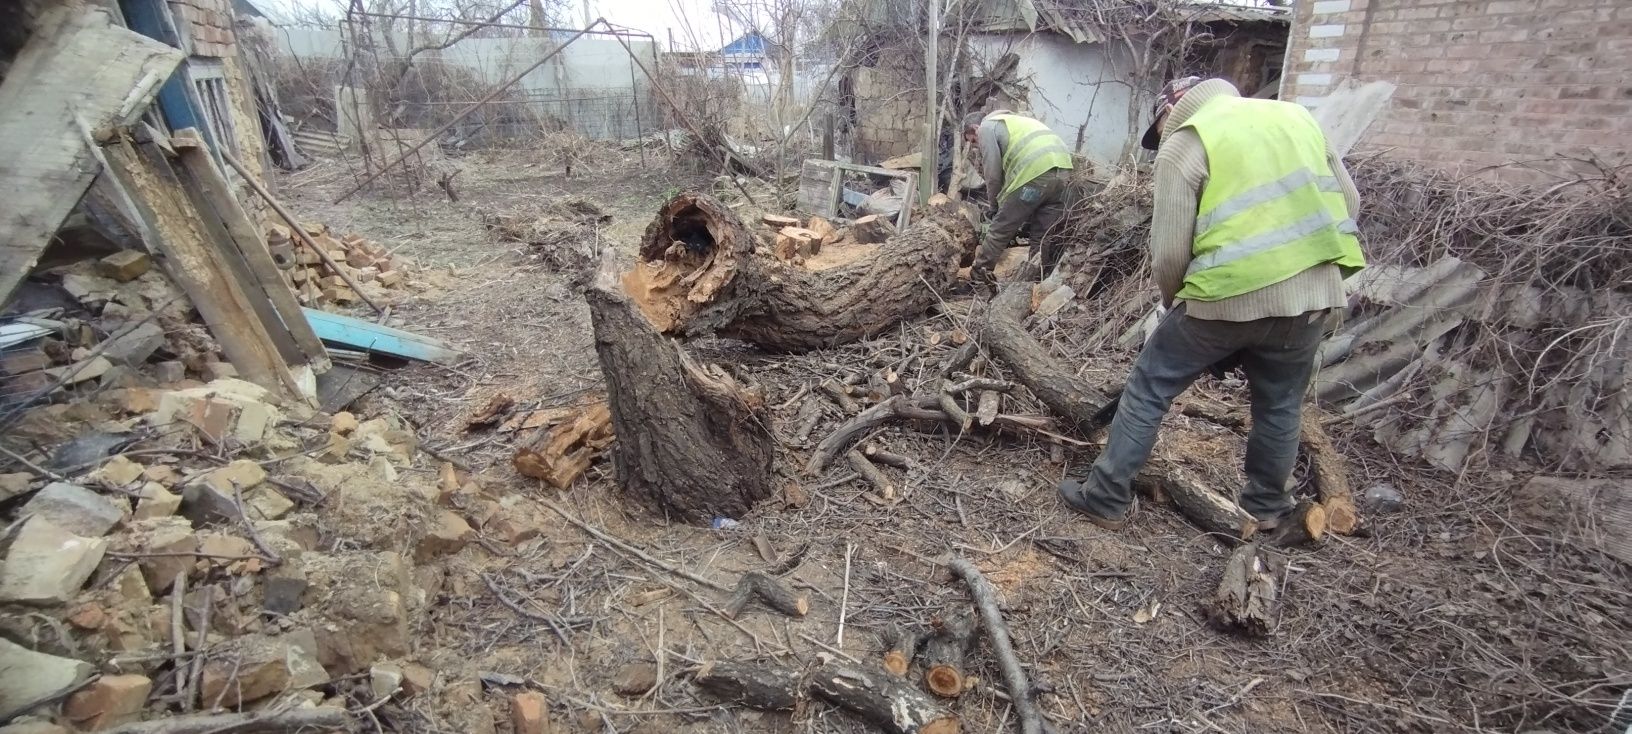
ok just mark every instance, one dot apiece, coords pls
pixel 1278 355
pixel 1033 210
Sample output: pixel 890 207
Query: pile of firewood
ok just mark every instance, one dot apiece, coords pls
pixel 332 273
pixel 793 243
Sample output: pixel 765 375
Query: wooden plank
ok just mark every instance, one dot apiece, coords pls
pixel 357 333
pixel 198 265
pixel 211 187
pixel 78 63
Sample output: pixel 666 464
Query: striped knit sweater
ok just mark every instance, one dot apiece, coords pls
pixel 1181 172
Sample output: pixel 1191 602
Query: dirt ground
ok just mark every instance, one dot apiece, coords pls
pixel 1448 615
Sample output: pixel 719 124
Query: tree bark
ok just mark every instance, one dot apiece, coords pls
pixel 882 700
pixel 1245 600
pixel 756 585
pixel 1331 475
pixel 1206 508
pixel 691 442
pixel 944 652
pixel 1006 340
pixel 700 274
pixel 874 696
pixel 761 685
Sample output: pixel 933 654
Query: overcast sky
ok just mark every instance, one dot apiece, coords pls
pixel 693 22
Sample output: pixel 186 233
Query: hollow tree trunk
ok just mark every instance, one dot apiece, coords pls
pixel 700 274
pixel 690 441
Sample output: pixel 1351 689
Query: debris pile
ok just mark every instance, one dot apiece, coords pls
pixel 292 575
pixel 329 270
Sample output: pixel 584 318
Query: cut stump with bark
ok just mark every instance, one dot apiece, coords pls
pixel 943 655
pixel 873 229
pixel 699 273
pixel 756 585
pixel 693 443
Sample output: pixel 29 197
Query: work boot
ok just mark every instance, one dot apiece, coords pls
pixel 1287 530
pixel 1073 493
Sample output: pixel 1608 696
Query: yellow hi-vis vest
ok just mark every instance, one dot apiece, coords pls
pixel 1271 207
pixel 1033 149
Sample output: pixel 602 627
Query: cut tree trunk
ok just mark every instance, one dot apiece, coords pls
pixel 882 700
pixel 692 442
pixel 1206 508
pixel 900 648
pixel 889 703
pixel 1030 363
pixel 1245 600
pixel 700 273
pixel 1331 475
pixel 873 229
pixel 762 685
pixel 944 652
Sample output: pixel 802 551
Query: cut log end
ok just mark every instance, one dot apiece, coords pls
pixel 944 681
pixel 897 663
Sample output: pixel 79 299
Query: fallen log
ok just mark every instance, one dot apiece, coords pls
pixel 756 585
pixel 873 696
pixel 761 685
pixel 870 472
pixel 1056 385
pixel 1245 600
pixel 900 648
pixel 882 700
pixel 694 443
pixel 699 273
pixel 901 407
pixel 944 652
pixel 561 454
pixel 1211 511
pixel 997 634
pixel 1331 475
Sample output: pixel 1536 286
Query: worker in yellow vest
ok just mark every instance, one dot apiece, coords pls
pixel 1251 237
pixel 1026 167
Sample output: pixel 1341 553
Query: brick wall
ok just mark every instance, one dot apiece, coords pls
pixel 889 110
pixel 1481 83
pixel 206 25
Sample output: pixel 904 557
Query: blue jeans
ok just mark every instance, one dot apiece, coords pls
pixel 1278 355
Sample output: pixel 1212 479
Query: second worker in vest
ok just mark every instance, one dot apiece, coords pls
pixel 1027 171
pixel 1251 238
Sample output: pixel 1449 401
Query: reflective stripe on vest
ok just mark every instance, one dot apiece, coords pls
pixel 1033 150
pixel 1271 207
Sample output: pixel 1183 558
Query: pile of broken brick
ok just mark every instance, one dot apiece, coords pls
pixel 351 261
pixel 278 558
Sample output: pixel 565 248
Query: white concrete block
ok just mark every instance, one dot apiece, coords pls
pixel 1322 54
pixel 1327 30
pixel 1314 80
pixel 1310 101
pixel 1325 7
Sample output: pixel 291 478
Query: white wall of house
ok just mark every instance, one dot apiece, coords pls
pixel 1085 91
pixel 592 85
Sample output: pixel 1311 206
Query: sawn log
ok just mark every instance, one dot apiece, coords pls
pixel 700 273
pixel 874 696
pixel 1030 363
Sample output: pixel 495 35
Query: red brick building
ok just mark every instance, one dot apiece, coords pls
pixel 1510 84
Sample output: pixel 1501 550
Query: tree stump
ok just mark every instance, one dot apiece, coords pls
pixel 699 273
pixel 691 442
